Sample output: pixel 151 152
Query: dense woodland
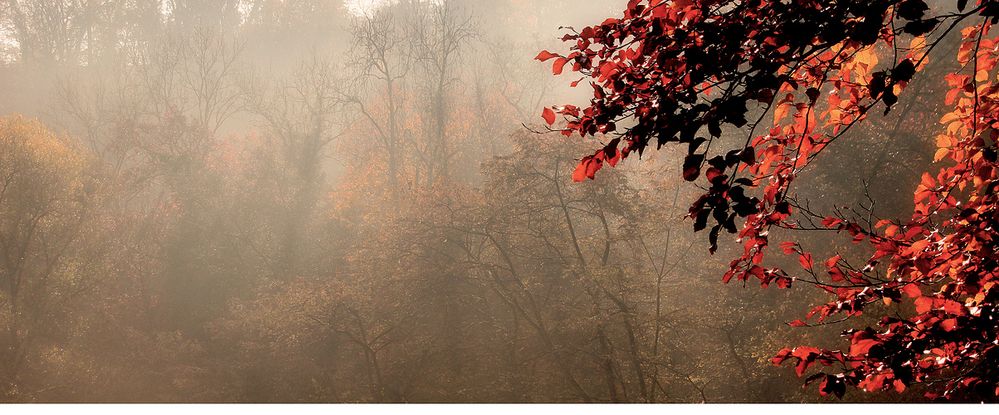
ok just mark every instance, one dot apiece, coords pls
pixel 311 201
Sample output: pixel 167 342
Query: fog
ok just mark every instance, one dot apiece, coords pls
pixel 312 201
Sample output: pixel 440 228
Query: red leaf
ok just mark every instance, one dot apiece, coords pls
pixel 899 386
pixel 783 282
pixel 587 168
pixel 548 115
pixel 831 262
pixel 874 383
pixel 613 160
pixel 559 65
pixel 592 167
pixel 712 174
pixel 805 260
pixel 728 276
pixel 781 356
pixel 862 346
pixel 923 304
pixel 917 246
pixel 788 247
pixel 802 366
pixel 692 166
pixel 949 324
pixel 580 173
pixel 545 55
pixel 953 307
pixel 690 173
pixel 831 222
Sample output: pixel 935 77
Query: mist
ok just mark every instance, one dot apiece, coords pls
pixel 325 201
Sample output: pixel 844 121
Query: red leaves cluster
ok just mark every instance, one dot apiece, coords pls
pixel 588 167
pixel 679 71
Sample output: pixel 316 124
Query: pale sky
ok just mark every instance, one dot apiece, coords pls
pixel 361 7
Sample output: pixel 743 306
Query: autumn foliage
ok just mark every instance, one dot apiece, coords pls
pixel 685 72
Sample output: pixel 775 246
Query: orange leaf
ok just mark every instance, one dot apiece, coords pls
pixel 912 290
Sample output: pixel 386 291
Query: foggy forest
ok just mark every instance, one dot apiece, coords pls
pixel 499 201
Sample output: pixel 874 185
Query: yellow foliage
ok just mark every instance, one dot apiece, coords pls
pixel 36 162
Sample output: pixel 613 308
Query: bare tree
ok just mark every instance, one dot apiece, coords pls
pixel 383 59
pixel 304 114
pixel 440 35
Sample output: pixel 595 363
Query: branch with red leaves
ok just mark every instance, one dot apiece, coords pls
pixel 681 72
